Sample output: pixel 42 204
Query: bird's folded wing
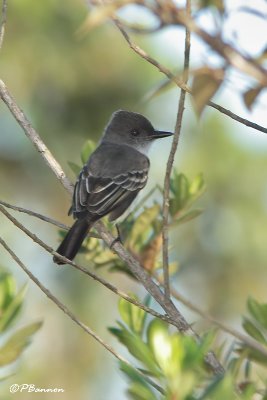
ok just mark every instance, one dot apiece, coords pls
pixel 100 195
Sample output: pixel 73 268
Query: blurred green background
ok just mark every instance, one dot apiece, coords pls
pixel 68 85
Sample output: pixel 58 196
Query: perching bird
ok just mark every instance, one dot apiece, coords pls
pixel 112 177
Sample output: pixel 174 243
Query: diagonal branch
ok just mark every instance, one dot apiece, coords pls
pixel 84 270
pixel 42 217
pixel 69 313
pixel 243 338
pixel 130 261
pixel 138 50
pixel 231 55
pixel 250 342
pixel 176 137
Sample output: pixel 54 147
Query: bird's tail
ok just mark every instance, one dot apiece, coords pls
pixel 73 240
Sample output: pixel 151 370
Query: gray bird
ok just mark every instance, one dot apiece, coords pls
pixel 113 176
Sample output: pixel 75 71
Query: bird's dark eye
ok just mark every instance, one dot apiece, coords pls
pixel 134 132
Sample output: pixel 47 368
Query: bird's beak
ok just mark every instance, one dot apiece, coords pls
pixel 161 134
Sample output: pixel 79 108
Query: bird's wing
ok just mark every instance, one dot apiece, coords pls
pixel 108 182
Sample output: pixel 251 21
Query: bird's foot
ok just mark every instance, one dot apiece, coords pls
pixel 117 239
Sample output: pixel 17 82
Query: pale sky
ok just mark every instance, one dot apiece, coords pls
pixel 247 31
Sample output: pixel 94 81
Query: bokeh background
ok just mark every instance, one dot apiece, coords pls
pixel 68 84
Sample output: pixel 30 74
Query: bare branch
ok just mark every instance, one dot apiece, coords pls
pixel 253 344
pixel 237 118
pixel 84 270
pixel 3 22
pixel 66 311
pixel 134 266
pixel 148 58
pixel 166 191
pixel 115 290
pixel 42 217
pixel 138 50
pixel 179 16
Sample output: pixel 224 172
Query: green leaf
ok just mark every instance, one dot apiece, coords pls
pixel 193 353
pixel 139 391
pixel 12 310
pixel 159 340
pixel 142 225
pixel 215 383
pixel 253 331
pixel 197 187
pixel 76 169
pixel 207 339
pixel 137 348
pixel 10 351
pixel 7 289
pixel 247 370
pixel 187 216
pixel 131 372
pixel 258 311
pixel 132 315
pixel 137 380
pixel 180 190
pixel 87 149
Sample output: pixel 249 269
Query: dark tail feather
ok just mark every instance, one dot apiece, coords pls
pixel 73 240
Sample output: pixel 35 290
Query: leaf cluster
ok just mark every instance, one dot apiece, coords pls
pixel 141 230
pixel 256 326
pixel 11 300
pixel 175 362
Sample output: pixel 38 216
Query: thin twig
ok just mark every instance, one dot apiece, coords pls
pixel 138 50
pixel 169 14
pixel 148 58
pixel 123 295
pixel 250 342
pixel 176 137
pixel 84 270
pixel 42 217
pixel 237 118
pixel 174 15
pixel 3 22
pixel 115 290
pixel 132 263
pixel 134 266
pixel 63 308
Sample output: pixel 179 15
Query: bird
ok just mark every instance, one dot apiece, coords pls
pixel 112 177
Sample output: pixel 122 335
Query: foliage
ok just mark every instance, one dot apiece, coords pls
pixel 256 326
pixel 176 362
pixel 161 354
pixel 67 95
pixel 208 78
pixel 13 342
pixel 141 230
